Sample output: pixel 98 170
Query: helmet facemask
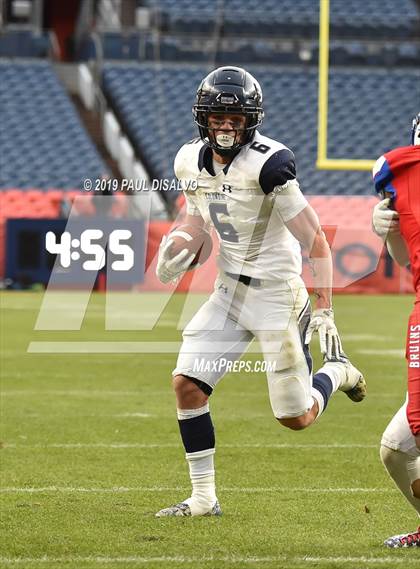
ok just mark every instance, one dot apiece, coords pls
pixel 234 138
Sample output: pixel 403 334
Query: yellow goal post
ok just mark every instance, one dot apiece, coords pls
pixel 323 162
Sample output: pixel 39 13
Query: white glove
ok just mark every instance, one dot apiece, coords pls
pixel 322 321
pixel 385 220
pixel 168 269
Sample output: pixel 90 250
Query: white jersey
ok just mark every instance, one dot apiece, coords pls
pixel 248 202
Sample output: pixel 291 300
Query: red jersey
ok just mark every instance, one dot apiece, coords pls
pixel 398 173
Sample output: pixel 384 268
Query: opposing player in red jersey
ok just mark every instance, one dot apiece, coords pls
pixel 397 220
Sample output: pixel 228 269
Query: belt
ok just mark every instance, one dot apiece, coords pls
pixel 247 281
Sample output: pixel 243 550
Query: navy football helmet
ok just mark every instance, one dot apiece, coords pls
pixel 229 90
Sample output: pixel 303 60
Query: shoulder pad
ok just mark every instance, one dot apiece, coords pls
pixel 382 177
pixel 277 170
pixel 378 165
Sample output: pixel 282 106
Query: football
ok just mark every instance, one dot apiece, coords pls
pixel 196 239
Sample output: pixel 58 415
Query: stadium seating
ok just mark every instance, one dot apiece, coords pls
pixel 43 143
pixel 289 18
pixel 154 104
pixel 29 203
pixel 240 50
pixel 17 203
pixel 24 43
pixel 273 31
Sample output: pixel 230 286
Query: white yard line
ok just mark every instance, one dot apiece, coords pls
pixel 392 353
pixel 103 559
pixel 367 338
pixel 124 415
pixel 236 489
pixel 331 446
pixel 112 347
pixel 178 445
pixel 103 347
pixel 85 415
pixel 76 392
pixel 155 392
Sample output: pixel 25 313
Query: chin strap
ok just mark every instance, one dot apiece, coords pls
pixel 226 152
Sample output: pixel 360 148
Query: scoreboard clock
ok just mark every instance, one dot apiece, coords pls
pixel 90 244
pixel 72 252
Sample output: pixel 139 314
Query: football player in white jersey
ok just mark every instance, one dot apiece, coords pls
pixel 245 185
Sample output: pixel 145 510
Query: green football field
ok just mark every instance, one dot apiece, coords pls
pixel 90 451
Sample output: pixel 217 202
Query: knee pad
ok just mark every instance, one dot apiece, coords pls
pixel 290 393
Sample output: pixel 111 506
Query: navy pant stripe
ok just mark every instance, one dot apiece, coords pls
pixel 305 318
pixel 323 384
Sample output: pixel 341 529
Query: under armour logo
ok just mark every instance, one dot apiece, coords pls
pixel 223 287
pixel 226 188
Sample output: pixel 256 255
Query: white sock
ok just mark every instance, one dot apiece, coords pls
pixel 316 396
pixel 201 465
pixel 184 414
pixel 336 372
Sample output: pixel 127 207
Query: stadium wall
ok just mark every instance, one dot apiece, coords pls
pixel 361 263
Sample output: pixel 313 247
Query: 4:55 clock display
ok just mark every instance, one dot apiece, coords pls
pixel 91 244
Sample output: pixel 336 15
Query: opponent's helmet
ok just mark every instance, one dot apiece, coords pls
pixel 415 132
pixel 229 90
